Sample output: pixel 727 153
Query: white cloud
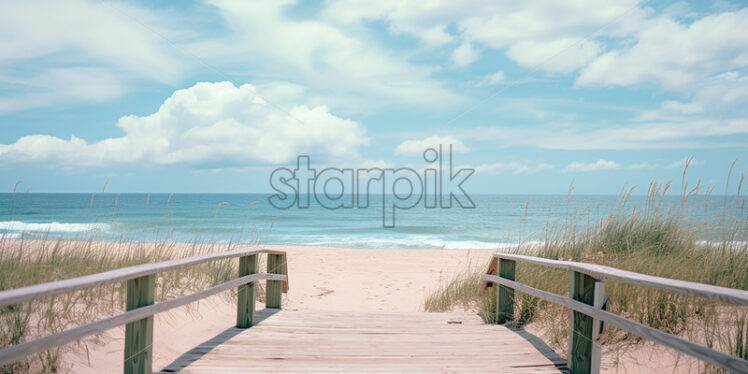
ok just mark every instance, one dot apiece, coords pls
pixel 205 124
pixel 531 31
pixel 425 20
pixel 591 166
pixel 651 135
pixel 561 55
pixel 417 147
pixel 622 43
pixel 674 54
pixel 492 79
pixel 55 85
pixel 89 31
pixel 725 95
pixel 464 55
pixel 512 168
pixel 346 66
pixel 680 164
pixel 81 51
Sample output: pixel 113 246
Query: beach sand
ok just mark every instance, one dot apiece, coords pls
pixel 324 278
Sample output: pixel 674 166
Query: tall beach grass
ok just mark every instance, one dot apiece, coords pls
pixel 26 262
pixel 651 239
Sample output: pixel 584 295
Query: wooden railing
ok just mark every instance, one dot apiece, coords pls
pixel 586 300
pixel 140 302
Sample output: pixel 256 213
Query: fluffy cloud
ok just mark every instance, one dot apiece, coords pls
pixel 465 55
pixel 89 51
pixel 90 31
pixel 346 66
pixel 674 54
pixel 725 95
pixel 591 166
pixel 425 20
pixel 531 31
pixel 201 125
pixel 416 147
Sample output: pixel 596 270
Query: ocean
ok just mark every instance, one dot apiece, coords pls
pixel 496 220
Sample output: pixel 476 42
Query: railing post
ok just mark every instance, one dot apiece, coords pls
pixel 597 327
pixel 273 287
pixel 581 354
pixel 505 296
pixel 139 334
pixel 245 307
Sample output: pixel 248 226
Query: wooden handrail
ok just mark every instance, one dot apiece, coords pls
pixel 586 291
pixel 728 295
pixel 140 306
pixel 38 291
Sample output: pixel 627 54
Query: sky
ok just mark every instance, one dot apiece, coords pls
pixel 212 96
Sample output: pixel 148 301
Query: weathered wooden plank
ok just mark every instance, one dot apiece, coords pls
pixel 677 343
pixel 245 306
pixel 728 295
pixel 139 334
pixel 37 291
pixel 273 288
pixel 404 342
pixel 505 301
pixel 20 351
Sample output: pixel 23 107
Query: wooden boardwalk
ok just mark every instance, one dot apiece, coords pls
pixel 311 341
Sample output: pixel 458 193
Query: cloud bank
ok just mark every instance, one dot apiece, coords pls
pixel 201 125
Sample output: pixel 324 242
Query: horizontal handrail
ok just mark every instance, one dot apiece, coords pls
pixel 729 295
pixel 140 307
pixel 19 351
pixel 38 291
pixel 587 299
pixel 699 351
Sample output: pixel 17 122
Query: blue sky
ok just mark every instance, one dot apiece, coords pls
pixel 212 96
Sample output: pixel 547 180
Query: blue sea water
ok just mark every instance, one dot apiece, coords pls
pixel 496 220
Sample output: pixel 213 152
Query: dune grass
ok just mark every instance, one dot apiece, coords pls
pixel 25 262
pixel 649 240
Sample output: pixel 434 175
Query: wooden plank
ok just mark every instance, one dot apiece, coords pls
pixel 245 306
pixel 37 291
pixel 677 343
pixel 273 288
pixel 728 295
pixel 505 301
pixel 321 341
pixel 20 351
pixel 139 334
pixel 582 289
